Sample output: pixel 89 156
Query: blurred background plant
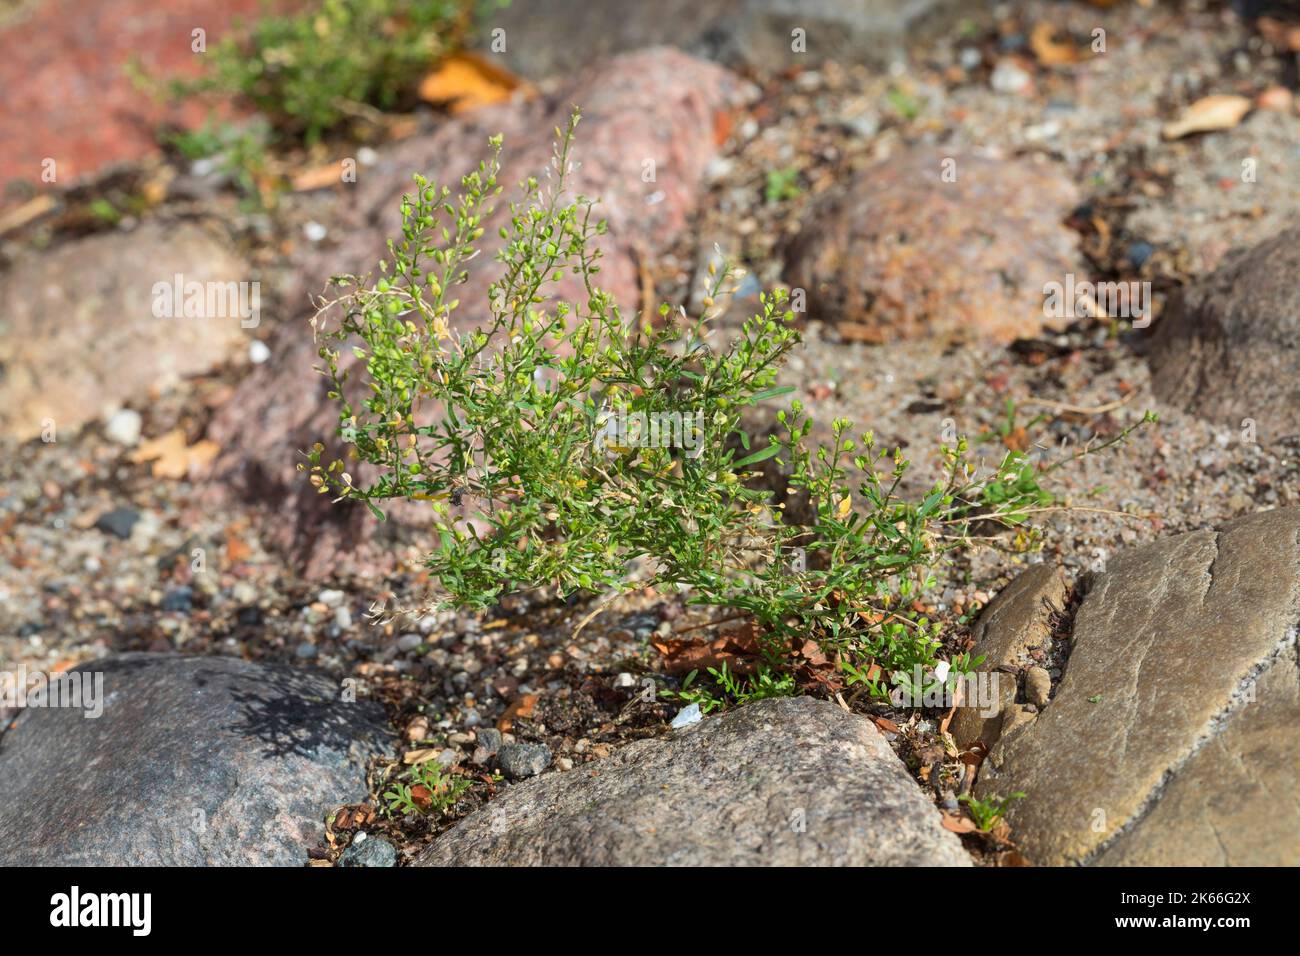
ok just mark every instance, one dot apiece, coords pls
pixel 333 69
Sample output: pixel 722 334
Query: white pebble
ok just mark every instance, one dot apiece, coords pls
pixel 258 352
pixel 314 231
pixel 331 597
pixel 1009 78
pixel 686 716
pixel 124 427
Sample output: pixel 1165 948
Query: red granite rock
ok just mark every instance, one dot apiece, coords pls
pixel 902 253
pixel 67 93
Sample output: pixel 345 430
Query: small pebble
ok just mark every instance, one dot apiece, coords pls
pixel 368 851
pixel 124 427
pixel 179 599
pixel 518 761
pixel 119 522
pixel 1038 686
pixel 690 714
pixel 1009 78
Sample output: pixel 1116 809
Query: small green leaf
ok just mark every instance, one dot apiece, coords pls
pixel 771 451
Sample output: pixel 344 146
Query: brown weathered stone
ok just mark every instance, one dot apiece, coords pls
pixel 1038 686
pixel 1015 622
pixel 1228 346
pixel 1169 647
pixel 1231 802
pixel 901 253
pixel 78 334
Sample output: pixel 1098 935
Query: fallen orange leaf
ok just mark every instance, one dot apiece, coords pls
pixel 236 549
pixel 466 81
pixel 523 707
pixel 1043 42
pixel 173 458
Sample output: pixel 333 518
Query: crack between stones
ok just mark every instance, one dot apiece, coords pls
pixel 1213 728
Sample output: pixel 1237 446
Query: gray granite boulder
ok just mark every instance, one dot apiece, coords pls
pixel 784 782
pixel 193 761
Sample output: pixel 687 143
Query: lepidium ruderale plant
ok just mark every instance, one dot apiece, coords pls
pixel 560 443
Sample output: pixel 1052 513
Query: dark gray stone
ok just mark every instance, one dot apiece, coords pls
pixel 119 522
pixel 779 782
pixel 194 761
pixel 179 599
pixel 518 761
pixel 371 851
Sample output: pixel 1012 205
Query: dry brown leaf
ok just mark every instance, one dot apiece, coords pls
pixel 422 796
pixel 1001 830
pixel 958 824
pixel 1017 440
pixel 522 707
pixel 976 754
pixel 236 549
pixel 22 215
pixel 422 755
pixel 173 458
pixel 887 725
pixel 1042 40
pixel 466 81
pixel 813 654
pixel 737 648
pixel 1208 114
